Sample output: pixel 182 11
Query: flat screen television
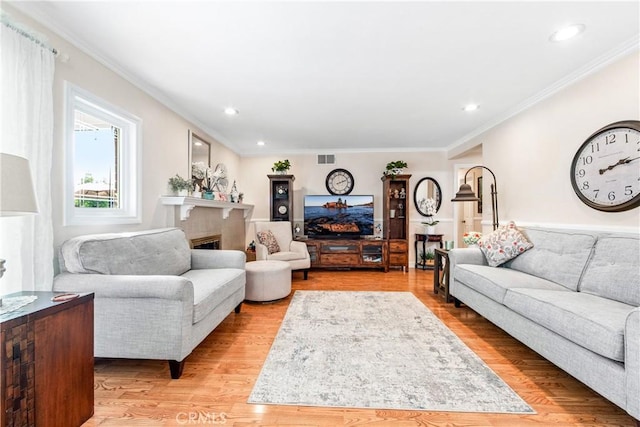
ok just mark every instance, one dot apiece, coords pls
pixel 338 216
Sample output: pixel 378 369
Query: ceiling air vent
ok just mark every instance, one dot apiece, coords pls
pixel 326 159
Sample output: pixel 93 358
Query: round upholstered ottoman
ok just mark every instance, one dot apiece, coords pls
pixel 267 280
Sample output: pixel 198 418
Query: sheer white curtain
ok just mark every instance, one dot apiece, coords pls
pixel 26 129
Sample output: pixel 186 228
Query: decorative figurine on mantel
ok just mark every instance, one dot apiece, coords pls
pixel 234 193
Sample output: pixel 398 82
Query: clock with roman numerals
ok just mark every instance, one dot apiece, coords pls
pixel 339 182
pixel 605 172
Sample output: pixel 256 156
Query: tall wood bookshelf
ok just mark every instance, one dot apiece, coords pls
pixel 395 223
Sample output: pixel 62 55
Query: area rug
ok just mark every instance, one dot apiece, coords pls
pixel 382 350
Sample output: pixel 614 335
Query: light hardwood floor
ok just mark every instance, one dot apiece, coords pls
pixel 220 373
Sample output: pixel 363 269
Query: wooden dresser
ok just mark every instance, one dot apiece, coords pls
pixel 47 362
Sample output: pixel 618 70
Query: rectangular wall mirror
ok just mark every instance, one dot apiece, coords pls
pixel 199 150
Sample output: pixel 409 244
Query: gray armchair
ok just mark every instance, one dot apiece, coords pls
pixel 291 251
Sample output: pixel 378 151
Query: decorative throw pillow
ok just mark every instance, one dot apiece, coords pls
pixel 503 244
pixel 269 240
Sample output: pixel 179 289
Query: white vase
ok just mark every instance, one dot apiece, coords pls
pixel 430 229
pixel 473 245
pixel 196 194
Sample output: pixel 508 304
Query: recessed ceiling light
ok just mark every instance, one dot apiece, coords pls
pixel 197 143
pixel 230 111
pixel 260 143
pixel 567 33
pixel 471 107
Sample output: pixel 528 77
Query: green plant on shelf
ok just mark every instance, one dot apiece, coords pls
pixel 395 168
pixel 178 183
pixel 281 166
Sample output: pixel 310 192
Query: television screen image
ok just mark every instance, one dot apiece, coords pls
pixel 338 216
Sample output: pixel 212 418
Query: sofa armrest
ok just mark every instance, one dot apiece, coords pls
pixel 205 258
pixel 261 252
pixel 126 286
pixel 467 256
pixel 632 362
pixel 299 247
pixel 463 256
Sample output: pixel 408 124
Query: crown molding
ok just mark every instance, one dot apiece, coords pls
pixel 628 47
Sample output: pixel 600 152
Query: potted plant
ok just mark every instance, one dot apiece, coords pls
pixel 427 258
pixel 430 258
pixel 395 168
pixel 281 166
pixel 179 185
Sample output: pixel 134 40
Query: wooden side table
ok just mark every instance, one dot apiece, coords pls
pixel 251 255
pixel 46 362
pixel 441 281
pixel 424 238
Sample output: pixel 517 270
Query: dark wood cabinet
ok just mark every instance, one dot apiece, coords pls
pixel 281 197
pixel 364 253
pixel 395 218
pixel 47 362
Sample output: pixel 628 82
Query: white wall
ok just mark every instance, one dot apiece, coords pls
pixel 531 153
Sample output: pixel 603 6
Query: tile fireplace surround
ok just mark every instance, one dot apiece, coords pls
pixel 200 218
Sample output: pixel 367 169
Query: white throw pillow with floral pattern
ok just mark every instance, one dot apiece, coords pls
pixel 269 240
pixel 503 244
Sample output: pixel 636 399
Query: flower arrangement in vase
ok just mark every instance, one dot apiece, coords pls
pixel 428 207
pixel 198 174
pixel 471 238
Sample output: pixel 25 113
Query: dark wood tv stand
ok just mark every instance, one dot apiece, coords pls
pixel 348 253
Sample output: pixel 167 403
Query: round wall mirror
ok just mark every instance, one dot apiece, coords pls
pixel 427 188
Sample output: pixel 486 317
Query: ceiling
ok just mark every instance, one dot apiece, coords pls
pixel 325 77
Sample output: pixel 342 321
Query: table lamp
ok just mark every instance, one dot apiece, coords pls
pixel 16 190
pixel 466 194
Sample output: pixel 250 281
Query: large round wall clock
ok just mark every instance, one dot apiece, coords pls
pixel 339 182
pixel 605 172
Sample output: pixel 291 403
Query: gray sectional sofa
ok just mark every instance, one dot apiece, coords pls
pixel 155 298
pixel 574 298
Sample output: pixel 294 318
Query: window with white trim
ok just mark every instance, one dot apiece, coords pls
pixel 102 182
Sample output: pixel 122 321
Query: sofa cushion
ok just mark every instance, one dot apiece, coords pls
pixel 503 244
pixel 559 256
pixel 494 282
pixel 152 252
pixel 614 270
pixel 287 256
pixel 593 322
pixel 269 240
pixel 211 287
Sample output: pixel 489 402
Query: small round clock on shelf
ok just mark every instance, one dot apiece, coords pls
pixel 605 171
pixel 281 194
pixel 339 182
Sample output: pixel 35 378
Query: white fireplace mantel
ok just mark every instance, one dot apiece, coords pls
pixel 188 203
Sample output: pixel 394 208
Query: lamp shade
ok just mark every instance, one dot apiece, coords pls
pixel 16 186
pixel 465 194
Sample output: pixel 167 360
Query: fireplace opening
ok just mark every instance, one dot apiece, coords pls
pixel 207 242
